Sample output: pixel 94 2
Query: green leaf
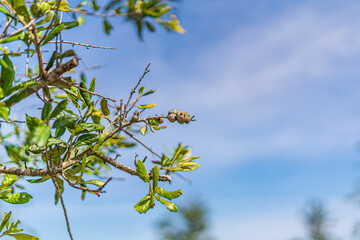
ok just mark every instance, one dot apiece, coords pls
pixel 46 111
pixel 56 30
pixel 5 221
pixel 107 27
pixel 38 180
pixel 4 111
pixel 92 85
pixel 149 92
pixel 98 183
pixel 17 198
pixel 146 106
pixel 83 165
pixel 145 203
pixel 141 170
pixel 169 205
pixel 143 130
pixel 168 195
pixel 59 132
pixel 23 236
pixel 33 122
pixel 141 90
pixel 66 121
pixel 68 53
pixel 59 108
pixel 7 74
pixel 155 176
pixel 104 107
pixel 86 96
pixel 56 141
pixel 87 139
pixel 60 183
pixel 87 127
pixel 40 135
pixel 9 180
pixel 18 36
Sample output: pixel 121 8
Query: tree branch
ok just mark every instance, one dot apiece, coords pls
pixel 122 167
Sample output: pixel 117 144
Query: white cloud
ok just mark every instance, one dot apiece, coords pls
pixel 288 83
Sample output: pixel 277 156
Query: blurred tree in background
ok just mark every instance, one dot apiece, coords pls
pixel 191 224
pixel 317 221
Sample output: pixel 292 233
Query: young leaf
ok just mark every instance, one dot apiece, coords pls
pixel 56 30
pixel 155 176
pixel 143 130
pixel 145 203
pixel 141 90
pixel 141 170
pixel 149 92
pixel 92 85
pixel 39 180
pixel 104 107
pixel 9 180
pixel 95 182
pixel 16 198
pixel 146 106
pixel 23 236
pixel 169 205
pixel 5 221
pixel 168 195
pixel 46 111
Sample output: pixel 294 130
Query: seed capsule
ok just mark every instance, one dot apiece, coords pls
pixel 180 117
pixel 172 117
pixel 161 120
pixel 135 118
pixel 187 117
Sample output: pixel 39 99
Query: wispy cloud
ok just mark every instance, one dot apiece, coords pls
pixel 288 83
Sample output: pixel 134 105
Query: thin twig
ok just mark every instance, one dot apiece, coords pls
pixel 97 14
pixel 134 89
pixel 143 144
pixel 83 44
pixel 63 206
pixel 59 194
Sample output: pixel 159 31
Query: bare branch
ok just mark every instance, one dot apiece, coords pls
pixel 143 144
pixel 122 167
pixel 83 44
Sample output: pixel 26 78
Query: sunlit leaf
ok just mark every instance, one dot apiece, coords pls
pixel 146 106
pixel 169 205
pixel 143 130
pixel 144 205
pixel 16 198
pixel 141 170
pixel 168 195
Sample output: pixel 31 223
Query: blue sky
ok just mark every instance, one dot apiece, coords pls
pixel 274 87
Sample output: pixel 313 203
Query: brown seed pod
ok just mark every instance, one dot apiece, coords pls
pixel 172 117
pixel 161 120
pixel 172 112
pixel 187 117
pixel 135 117
pixel 180 117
